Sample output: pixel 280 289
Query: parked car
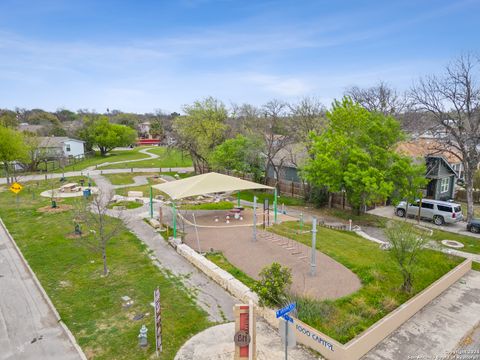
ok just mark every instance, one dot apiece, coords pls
pixel 440 212
pixel 474 226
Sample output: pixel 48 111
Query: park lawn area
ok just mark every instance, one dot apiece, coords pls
pixel 125 178
pixel 472 244
pixel 221 261
pixel 114 155
pixel 262 195
pixel 169 158
pixel 143 188
pixel 221 205
pixel 90 304
pixel 128 204
pixel 344 318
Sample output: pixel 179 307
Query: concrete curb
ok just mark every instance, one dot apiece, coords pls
pixel 44 294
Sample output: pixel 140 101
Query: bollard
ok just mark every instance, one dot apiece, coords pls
pixel 142 337
pixel 350 224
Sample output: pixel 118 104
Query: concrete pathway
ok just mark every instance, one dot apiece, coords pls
pixel 143 151
pixel 216 343
pixel 437 329
pixel 29 327
pixel 211 297
pixel 26 178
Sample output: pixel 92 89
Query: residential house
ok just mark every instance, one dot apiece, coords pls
pixel 440 172
pixel 62 147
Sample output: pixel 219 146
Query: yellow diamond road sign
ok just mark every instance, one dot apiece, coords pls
pixel 16 188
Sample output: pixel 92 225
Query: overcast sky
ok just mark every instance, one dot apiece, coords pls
pixel 146 55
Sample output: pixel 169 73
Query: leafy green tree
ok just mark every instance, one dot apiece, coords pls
pixel 201 130
pixel 356 154
pixel 275 280
pixel 8 119
pixel 98 131
pixel 156 129
pixel 240 154
pixel 12 149
pixel 406 244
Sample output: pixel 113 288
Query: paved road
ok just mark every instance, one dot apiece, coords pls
pixel 457 228
pixel 438 327
pixel 28 326
pixel 210 296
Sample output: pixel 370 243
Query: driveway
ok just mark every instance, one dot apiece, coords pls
pixel 29 329
pixel 457 228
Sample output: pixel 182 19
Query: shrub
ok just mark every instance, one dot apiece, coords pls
pixel 273 285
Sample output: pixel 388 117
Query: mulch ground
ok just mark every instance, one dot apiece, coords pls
pixel 332 279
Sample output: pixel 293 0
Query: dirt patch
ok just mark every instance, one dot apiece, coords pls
pixel 59 208
pixel 76 236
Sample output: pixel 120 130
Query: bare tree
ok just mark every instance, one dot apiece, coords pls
pixel 273 127
pixel 94 215
pixel 307 115
pixel 379 98
pixel 453 100
pixel 405 244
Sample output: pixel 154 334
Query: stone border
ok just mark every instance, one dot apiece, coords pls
pixel 45 296
pixel 305 334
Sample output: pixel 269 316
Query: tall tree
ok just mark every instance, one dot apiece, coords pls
pixel 8 118
pixel 355 154
pixel 453 100
pixel 379 98
pixel 307 115
pixel 240 154
pixel 201 130
pixel 98 131
pixel 12 149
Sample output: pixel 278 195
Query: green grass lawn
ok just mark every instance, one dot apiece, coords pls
pixel 90 304
pixel 168 158
pixel 221 261
pixel 125 178
pixel 261 195
pixel 143 188
pixel 346 317
pixel 221 205
pixel 112 156
pixel 472 244
pixel 128 204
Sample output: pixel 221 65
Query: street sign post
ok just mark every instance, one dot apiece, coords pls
pixel 16 188
pixel 158 321
pixel 283 313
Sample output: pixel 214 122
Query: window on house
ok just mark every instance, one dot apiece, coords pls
pixel 68 147
pixel 444 185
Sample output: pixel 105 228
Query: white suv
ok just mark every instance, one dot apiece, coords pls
pixel 439 211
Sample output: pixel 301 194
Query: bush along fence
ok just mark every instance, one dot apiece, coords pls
pixel 308 336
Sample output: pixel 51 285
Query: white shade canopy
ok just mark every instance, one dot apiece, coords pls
pixel 206 184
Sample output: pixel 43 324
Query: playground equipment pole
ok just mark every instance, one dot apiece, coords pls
pixel 238 199
pixel 151 203
pixel 174 213
pixel 313 263
pixel 275 206
pixel 254 218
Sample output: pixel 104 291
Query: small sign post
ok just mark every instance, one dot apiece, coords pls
pixel 283 313
pixel 158 321
pixel 16 188
pixel 245 332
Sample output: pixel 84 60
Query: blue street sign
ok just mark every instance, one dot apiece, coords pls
pixel 288 318
pixel 285 310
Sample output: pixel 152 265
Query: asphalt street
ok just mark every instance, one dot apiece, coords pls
pixel 29 329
